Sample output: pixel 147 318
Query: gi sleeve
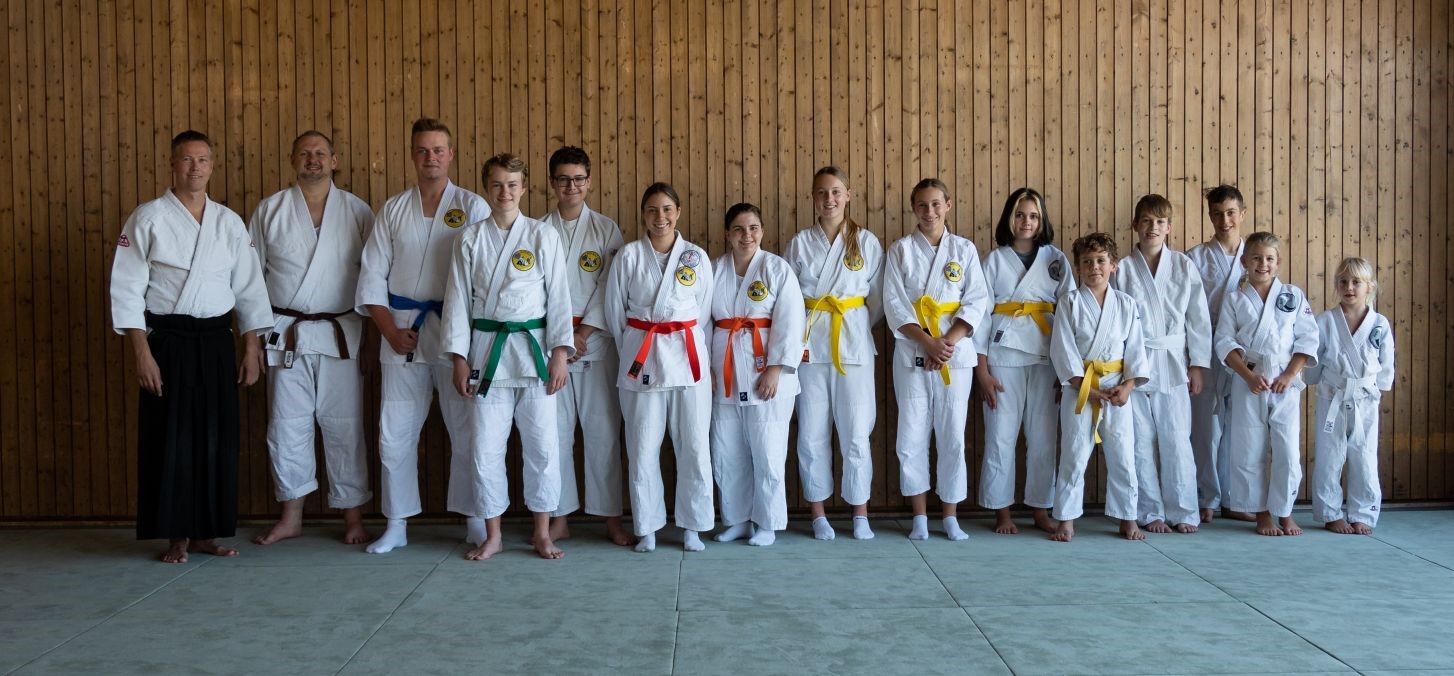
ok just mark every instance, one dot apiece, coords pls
pixel 614 306
pixel 974 301
pixel 558 329
pixel 785 338
pixel 1313 373
pixel 130 273
pixel 1385 357
pixel 704 298
pixel 377 259
pixel 873 254
pixel 1305 331
pixel 985 327
pixel 254 310
pixel 897 306
pixel 1135 366
pixel 1198 326
pixel 1224 339
pixel 596 306
pixel 1064 355
pixel 455 331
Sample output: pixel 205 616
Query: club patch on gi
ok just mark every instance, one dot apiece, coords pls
pixel 854 263
pixel 590 261
pixel 1057 270
pixel 523 260
pixel 953 271
pixel 1376 336
pixel 123 240
pixel 686 276
pixel 1286 301
pixel 757 290
pixel 454 218
pixel 691 258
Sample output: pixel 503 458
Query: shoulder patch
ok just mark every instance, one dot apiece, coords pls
pixel 691 258
pixel 1057 270
pixel 1377 335
pixel 123 240
pixel 1286 301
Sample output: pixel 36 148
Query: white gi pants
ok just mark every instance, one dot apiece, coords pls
pixel 1165 471
pixel 828 400
pixel 329 390
pixel 925 404
pixel 749 451
pixel 406 391
pixel 1209 439
pixel 1255 423
pixel 589 397
pixel 685 412
pixel 1354 439
pixel 1028 399
pixel 1077 440
pixel 533 412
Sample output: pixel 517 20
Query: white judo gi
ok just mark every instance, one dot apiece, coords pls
pixel 405 265
pixel 758 322
pixel 589 397
pixel 506 308
pixel 1177 329
pixel 1353 367
pixel 1097 342
pixel 313 359
pixel 1014 335
pixel 1268 334
pixel 933 287
pixel 663 303
pixel 835 381
pixel 1220 274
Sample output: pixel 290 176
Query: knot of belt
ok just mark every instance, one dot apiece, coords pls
pixel 653 328
pixel 424 307
pixel 1036 311
pixel 835 307
pixel 1094 369
pixel 1343 393
pixel 290 336
pixel 1170 341
pixel 497 349
pixel 759 356
pixel 928 311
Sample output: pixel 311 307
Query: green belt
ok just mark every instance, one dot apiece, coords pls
pixel 492 363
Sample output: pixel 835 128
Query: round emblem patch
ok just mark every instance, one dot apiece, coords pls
pixel 691 258
pixel 1286 301
pixel 590 261
pixel 854 263
pixel 454 218
pixel 757 290
pixel 523 260
pixel 1057 270
pixel 686 276
pixel 1375 337
pixel 953 271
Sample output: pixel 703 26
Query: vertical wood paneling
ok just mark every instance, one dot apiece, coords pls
pixel 1332 116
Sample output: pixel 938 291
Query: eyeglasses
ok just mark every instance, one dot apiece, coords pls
pixel 577 181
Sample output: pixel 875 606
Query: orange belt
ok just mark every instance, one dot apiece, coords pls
pixel 759 357
pixel 653 328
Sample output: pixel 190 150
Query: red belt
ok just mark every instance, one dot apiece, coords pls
pixel 653 328
pixel 759 358
pixel 576 321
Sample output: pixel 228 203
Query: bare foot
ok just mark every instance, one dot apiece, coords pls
pixel 1130 531
pixel 559 529
pixel 176 551
pixel 1185 528
pixel 210 546
pixel 1043 520
pixel 617 534
pixel 1064 532
pixel 1207 513
pixel 1362 528
pixel 353 528
pixel 282 530
pixel 1004 525
pixel 1340 527
pixel 546 548
pixel 1239 516
pixel 1157 526
pixel 490 547
pixel 1265 526
pixel 1289 527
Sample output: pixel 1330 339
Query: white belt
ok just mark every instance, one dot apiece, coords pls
pixel 1343 395
pixel 1170 341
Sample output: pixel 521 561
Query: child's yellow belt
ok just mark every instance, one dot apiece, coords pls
pixel 835 307
pixel 1092 381
pixel 1036 311
pixel 929 311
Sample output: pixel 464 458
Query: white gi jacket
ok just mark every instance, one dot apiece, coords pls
pixel 639 288
pixel 1019 341
pixel 768 290
pixel 1086 330
pixel 822 270
pixel 1352 367
pixel 950 273
pixel 1270 333
pixel 1174 315
pixel 588 254
pixel 1219 274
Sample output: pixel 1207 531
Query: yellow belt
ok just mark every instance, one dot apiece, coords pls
pixel 1092 380
pixel 1036 311
pixel 835 307
pixel 929 311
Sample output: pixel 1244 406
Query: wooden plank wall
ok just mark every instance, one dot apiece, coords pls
pixel 1332 115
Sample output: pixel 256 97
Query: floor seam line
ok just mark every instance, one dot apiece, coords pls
pixel 390 616
pixel 960 606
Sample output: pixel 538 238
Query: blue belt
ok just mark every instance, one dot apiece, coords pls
pixel 423 306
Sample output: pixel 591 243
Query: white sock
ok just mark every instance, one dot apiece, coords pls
pixel 474 530
pixel 691 542
pixel 735 532
pixel 861 531
pixel 647 543
pixel 823 530
pixel 920 530
pixel 394 536
pixel 762 537
pixel 952 530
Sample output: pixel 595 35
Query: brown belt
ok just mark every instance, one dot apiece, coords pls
pixel 290 336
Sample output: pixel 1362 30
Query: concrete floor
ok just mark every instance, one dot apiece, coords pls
pixel 1221 601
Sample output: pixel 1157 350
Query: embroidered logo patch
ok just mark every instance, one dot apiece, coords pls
pixel 1057 270
pixel 741 396
pixel 953 271
pixel 454 218
pixel 123 240
pixel 854 263
pixel 686 276
pixel 1376 336
pixel 590 261
pixel 523 260
pixel 1286 301
pixel 691 258
pixel 757 290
